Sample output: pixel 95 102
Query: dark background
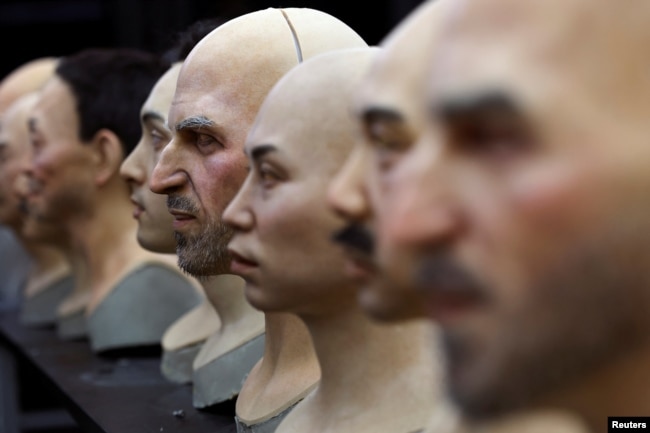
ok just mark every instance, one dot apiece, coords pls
pixel 37 28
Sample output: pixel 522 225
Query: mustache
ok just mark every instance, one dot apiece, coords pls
pixel 181 203
pixel 355 236
pixel 439 274
pixel 23 206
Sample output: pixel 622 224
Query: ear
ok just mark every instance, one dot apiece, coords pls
pixel 108 155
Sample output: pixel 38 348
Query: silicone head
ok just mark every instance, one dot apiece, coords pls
pixel 301 136
pixel 221 86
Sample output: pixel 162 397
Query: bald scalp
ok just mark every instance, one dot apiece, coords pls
pixel 314 98
pixel 27 78
pixel 243 63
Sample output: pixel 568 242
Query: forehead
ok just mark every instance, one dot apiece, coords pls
pixel 14 121
pixel 397 76
pixel 308 112
pixel 572 66
pixel 161 95
pixel 279 125
pixel 55 108
pixel 526 46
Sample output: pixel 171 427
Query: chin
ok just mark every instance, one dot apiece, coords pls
pixel 157 243
pixel 255 296
pixel 383 308
pixel 261 299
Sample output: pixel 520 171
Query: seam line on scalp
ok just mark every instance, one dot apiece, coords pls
pixel 296 42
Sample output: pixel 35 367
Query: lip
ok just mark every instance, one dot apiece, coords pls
pixel 358 265
pixel 34 186
pixel 138 208
pixel 181 218
pixel 448 308
pixel 240 264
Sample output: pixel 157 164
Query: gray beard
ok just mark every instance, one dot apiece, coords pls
pixel 207 254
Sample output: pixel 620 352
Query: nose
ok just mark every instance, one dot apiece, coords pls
pixel 25 177
pixel 238 214
pixel 347 193
pixel 168 174
pixel 131 169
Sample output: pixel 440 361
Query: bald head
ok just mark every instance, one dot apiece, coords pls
pixel 303 132
pixel 526 199
pixel 221 86
pixel 24 79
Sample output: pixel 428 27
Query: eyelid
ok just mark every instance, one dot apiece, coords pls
pixel 494 135
pixel 267 173
pixel 388 135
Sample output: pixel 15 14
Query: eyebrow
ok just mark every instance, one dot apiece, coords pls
pixel 194 122
pixel 262 150
pixel 152 115
pixel 453 109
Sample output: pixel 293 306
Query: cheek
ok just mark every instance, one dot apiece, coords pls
pixel 526 229
pixel 553 198
pixel 222 177
pixel 297 227
pixel 45 163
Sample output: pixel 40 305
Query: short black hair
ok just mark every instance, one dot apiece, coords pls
pixel 109 86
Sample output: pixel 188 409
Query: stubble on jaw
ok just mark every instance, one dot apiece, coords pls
pixel 205 254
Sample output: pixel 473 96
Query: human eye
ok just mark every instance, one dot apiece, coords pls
pixel 389 142
pixel 495 136
pixel 267 175
pixel 205 143
pixel 158 140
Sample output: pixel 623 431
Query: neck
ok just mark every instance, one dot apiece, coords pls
pixel 104 246
pixel 48 265
pixel 359 357
pixel 287 371
pixel 226 294
pixel 287 343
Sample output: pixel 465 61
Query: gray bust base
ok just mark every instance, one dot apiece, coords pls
pixel 222 378
pixel 72 327
pixel 176 365
pixel 140 308
pixel 267 426
pixel 40 309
